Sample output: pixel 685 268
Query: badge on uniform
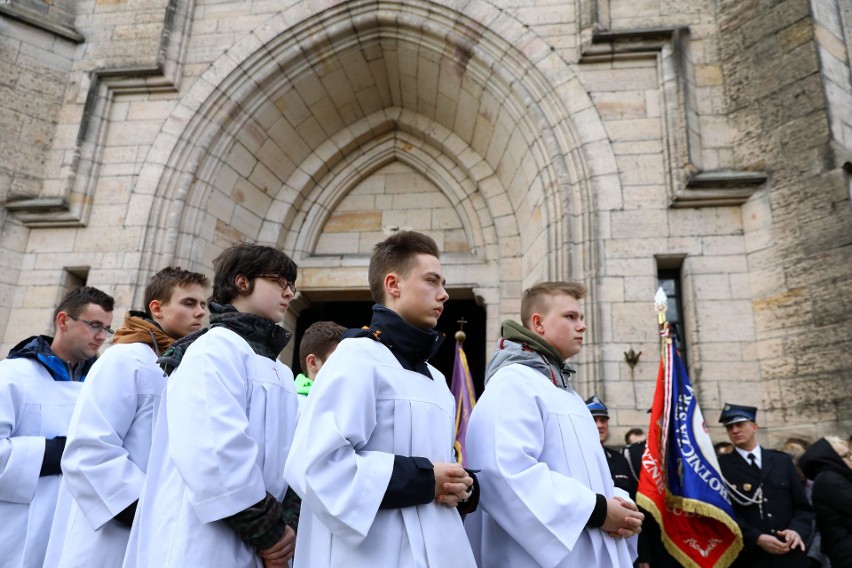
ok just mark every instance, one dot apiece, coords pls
pixel 746 486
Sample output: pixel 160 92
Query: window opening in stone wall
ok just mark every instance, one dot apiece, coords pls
pixel 356 314
pixel 74 277
pixel 669 279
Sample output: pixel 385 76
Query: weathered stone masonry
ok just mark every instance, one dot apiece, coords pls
pixel 536 139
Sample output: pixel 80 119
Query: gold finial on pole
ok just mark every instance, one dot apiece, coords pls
pixel 460 334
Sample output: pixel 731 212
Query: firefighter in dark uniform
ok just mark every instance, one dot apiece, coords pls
pixel 767 494
pixel 618 466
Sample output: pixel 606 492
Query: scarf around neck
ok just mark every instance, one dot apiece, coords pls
pixel 522 346
pixel 139 328
pixel 264 336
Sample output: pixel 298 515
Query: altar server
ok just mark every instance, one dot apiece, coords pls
pixel 39 384
pixel 548 498
pixel 214 494
pixel 373 456
pixel 109 438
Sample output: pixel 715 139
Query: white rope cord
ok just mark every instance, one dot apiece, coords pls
pixel 745 500
pixel 633 472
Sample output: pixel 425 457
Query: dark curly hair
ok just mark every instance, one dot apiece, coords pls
pixel 251 261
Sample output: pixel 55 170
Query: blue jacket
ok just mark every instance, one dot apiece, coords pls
pixel 38 348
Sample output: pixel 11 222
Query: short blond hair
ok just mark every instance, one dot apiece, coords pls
pixel 839 444
pixel 536 299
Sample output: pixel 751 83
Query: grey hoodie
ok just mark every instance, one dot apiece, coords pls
pixel 522 346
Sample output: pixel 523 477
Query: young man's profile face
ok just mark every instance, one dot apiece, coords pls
pixel 183 313
pixel 268 299
pixel 419 296
pixel 562 325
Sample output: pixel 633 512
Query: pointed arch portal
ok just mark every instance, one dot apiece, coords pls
pixel 281 130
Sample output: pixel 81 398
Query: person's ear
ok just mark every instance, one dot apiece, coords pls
pixel 156 309
pixel 392 284
pixel 536 323
pixel 313 362
pixel 241 282
pixel 61 321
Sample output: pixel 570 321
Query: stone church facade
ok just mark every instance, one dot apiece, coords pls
pixel 608 141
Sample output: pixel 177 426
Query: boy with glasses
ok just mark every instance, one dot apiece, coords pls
pixel 214 493
pixel 109 438
pixel 39 384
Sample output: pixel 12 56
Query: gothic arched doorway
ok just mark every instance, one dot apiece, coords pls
pixel 354 313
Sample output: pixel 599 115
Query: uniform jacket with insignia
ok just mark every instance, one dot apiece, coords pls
pixel 784 506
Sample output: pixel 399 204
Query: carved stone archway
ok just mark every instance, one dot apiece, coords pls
pixel 282 124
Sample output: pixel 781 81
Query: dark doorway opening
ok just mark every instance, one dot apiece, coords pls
pixel 356 314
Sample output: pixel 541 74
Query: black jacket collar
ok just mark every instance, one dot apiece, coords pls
pixel 265 337
pixel 411 346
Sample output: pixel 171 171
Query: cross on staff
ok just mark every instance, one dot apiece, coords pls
pixel 460 334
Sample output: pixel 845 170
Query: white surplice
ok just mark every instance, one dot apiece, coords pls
pixel 363 409
pixel 33 407
pixel 224 429
pixel 542 465
pixel 105 457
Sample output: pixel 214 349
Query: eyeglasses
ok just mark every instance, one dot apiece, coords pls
pixel 95 326
pixel 281 281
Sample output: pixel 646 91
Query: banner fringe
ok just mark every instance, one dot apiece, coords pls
pixel 725 560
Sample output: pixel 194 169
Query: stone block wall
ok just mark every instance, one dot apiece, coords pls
pixel 393 198
pixel 798 230
pixel 832 33
pixel 35 68
pixel 560 152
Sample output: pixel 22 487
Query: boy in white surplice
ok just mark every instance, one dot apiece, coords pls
pixel 109 437
pixel 39 384
pixel 548 498
pixel 214 494
pixel 372 453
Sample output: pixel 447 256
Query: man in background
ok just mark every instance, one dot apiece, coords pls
pixel 39 384
pixel 767 494
pixel 618 466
